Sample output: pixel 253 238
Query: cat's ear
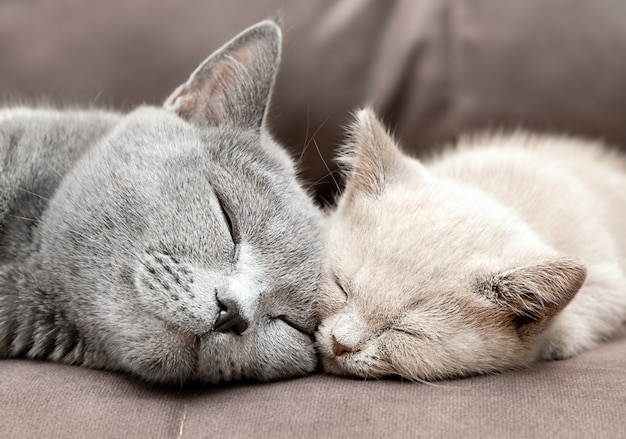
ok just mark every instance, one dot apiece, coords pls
pixel 536 293
pixel 234 84
pixel 372 157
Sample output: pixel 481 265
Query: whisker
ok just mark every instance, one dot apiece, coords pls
pixel 326 202
pixel 82 235
pixel 24 218
pixel 54 169
pixel 49 200
pixel 326 166
pixel 312 139
pixel 323 177
pixel 88 238
pixel 34 194
pixel 306 133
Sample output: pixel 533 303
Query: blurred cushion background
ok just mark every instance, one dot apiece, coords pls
pixel 433 69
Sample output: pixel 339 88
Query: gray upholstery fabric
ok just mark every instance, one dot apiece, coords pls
pixel 577 398
pixel 433 68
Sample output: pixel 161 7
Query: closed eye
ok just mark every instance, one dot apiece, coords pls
pixel 233 230
pixel 339 285
pixel 290 323
pixel 227 218
pixel 404 331
pixel 414 333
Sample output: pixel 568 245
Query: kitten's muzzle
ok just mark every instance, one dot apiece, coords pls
pixel 339 349
pixel 230 318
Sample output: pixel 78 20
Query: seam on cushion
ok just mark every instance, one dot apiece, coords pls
pixel 181 428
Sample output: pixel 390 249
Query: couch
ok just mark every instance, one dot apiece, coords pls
pixel 434 69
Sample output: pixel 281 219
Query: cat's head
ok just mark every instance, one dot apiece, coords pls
pixel 428 279
pixel 182 245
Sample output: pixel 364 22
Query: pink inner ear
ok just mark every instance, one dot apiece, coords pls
pixel 214 87
pixel 183 103
pixel 210 90
pixel 537 292
pixel 233 85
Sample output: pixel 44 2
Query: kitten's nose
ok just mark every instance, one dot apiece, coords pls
pixel 339 349
pixel 230 318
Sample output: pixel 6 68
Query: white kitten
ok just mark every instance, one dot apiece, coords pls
pixel 504 251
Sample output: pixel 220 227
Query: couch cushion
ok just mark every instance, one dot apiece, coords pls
pixel 580 397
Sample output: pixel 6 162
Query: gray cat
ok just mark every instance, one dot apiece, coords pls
pixel 173 243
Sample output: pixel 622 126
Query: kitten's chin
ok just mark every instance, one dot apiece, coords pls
pixel 350 365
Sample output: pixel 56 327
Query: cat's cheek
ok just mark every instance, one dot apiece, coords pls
pixel 328 304
pixel 161 359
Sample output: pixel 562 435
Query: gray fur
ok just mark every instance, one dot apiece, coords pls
pixel 115 253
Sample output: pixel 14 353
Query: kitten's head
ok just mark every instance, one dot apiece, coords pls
pixel 182 245
pixel 428 279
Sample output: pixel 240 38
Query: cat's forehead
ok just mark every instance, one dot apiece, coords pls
pixel 436 222
pixel 154 125
pixel 155 136
pixel 182 178
pixel 410 229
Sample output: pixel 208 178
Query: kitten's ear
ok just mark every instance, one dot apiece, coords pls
pixel 371 156
pixel 536 293
pixel 233 85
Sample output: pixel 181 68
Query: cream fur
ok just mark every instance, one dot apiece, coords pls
pixel 503 251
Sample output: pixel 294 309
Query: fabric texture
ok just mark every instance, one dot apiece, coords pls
pixel 433 69
pixel 577 398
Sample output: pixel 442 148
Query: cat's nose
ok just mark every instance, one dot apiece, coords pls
pixel 230 318
pixel 339 349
